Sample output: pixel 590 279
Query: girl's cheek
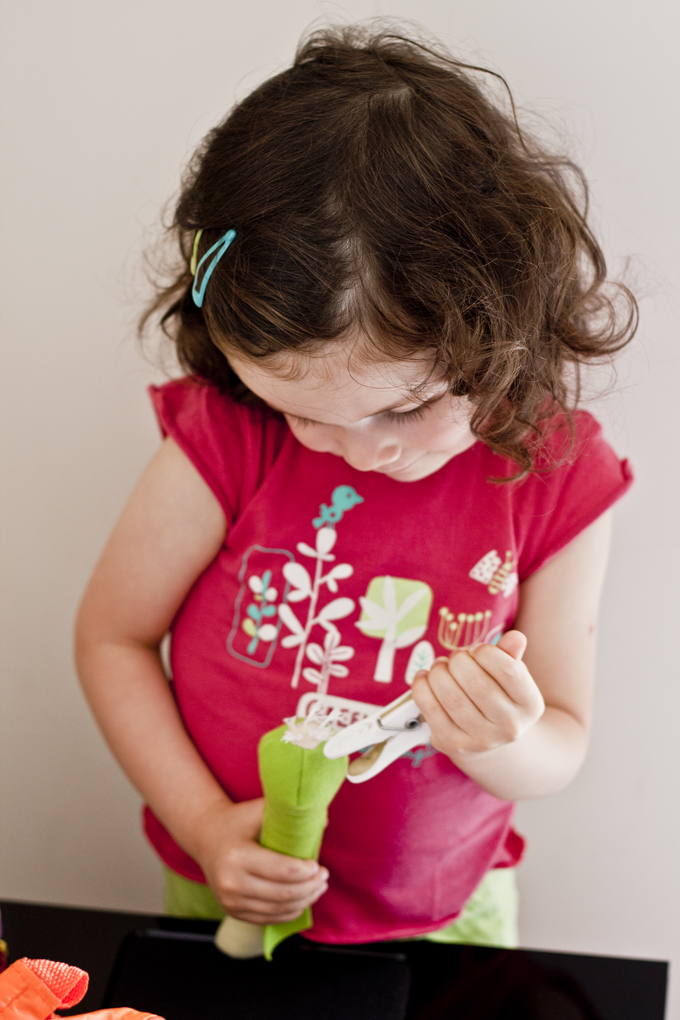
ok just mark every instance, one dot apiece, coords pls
pixel 312 437
pixel 455 431
pixel 442 435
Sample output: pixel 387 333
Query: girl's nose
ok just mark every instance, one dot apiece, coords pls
pixel 366 453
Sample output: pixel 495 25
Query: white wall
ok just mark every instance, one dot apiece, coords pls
pixel 99 105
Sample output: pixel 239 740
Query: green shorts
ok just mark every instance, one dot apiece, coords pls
pixel 489 917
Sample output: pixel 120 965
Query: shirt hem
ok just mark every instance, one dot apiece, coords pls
pixel 328 938
pixel 194 874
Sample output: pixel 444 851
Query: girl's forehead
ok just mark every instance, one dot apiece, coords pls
pixel 336 388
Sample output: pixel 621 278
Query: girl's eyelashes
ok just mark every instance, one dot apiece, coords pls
pixel 401 416
pixel 417 412
pixel 299 421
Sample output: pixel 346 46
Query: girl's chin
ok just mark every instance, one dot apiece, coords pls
pixel 417 469
pixel 425 465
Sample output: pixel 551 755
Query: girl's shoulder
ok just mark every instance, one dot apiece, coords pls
pixel 232 445
pixel 566 451
pixel 578 477
pixel 201 406
pixel 574 456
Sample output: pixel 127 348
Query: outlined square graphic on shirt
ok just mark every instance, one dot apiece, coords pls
pixel 263 588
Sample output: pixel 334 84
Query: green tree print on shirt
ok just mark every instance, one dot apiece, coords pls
pixel 398 611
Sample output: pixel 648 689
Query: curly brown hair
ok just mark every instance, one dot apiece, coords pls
pixel 375 185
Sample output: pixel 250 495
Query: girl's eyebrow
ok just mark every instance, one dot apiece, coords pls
pixel 384 410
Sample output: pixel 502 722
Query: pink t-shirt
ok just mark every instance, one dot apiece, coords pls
pixel 379 576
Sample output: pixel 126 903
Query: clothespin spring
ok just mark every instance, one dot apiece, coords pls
pixel 410 724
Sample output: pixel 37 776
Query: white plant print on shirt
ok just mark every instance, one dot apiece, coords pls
pixel 303 587
pixel 497 575
pixel 398 611
pixel 328 658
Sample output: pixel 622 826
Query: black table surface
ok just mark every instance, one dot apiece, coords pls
pixel 445 981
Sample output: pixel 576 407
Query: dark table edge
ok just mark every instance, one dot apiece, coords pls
pixel 155 918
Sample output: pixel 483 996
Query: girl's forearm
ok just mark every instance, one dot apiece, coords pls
pixel 132 702
pixel 541 762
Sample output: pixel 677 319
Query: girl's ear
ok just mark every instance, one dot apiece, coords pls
pixel 513 643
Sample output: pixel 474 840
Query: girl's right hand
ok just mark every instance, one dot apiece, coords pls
pixel 171 530
pixel 249 881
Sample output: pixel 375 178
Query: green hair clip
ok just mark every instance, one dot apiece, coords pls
pixel 194 252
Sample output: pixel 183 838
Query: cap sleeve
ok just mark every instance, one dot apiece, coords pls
pixel 228 443
pixel 557 505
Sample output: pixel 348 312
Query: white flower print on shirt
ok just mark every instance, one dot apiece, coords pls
pixel 303 586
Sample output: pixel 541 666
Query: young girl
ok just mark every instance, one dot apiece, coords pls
pixel 371 477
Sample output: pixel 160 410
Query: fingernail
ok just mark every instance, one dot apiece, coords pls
pixel 421 672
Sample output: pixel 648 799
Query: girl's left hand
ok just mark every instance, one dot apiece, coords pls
pixel 480 699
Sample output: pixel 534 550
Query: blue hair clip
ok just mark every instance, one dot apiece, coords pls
pixel 198 292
